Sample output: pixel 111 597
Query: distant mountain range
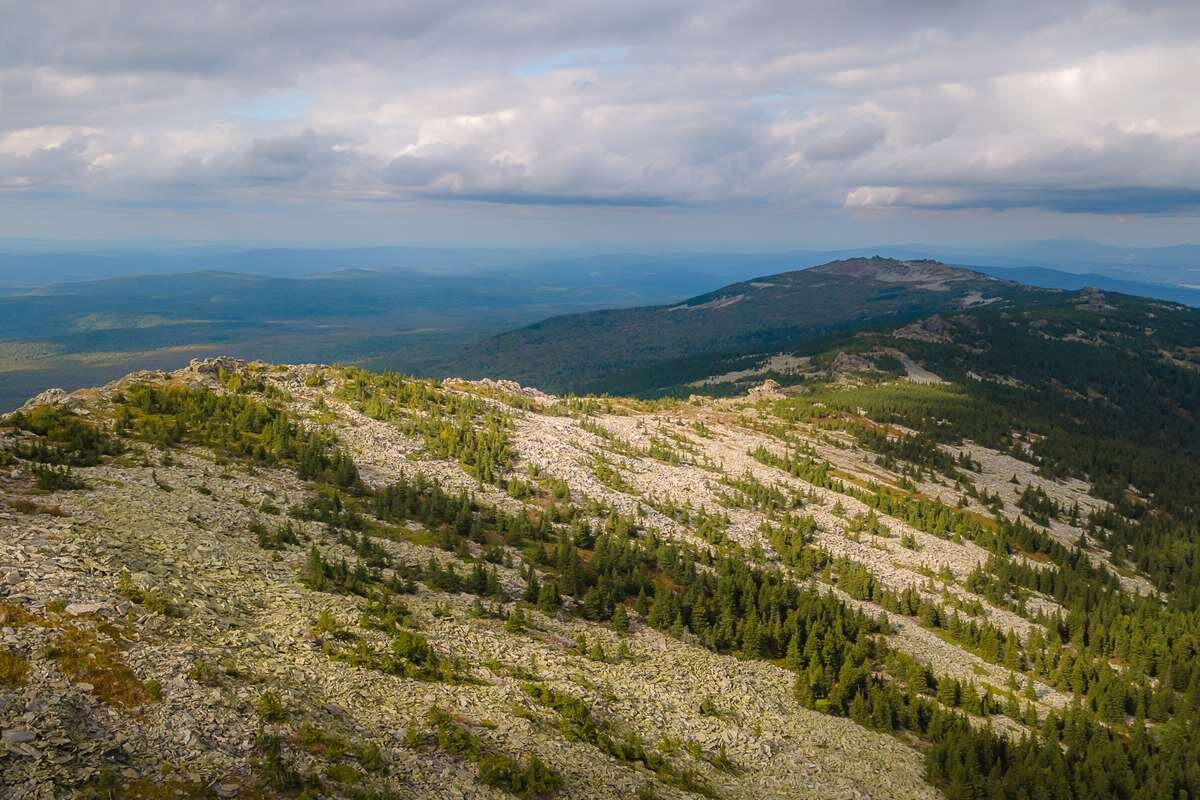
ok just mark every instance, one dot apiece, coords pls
pixel 26 263
pixel 1057 279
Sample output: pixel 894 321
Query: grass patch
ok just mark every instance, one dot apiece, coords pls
pixel 14 616
pixel 148 597
pixel 108 785
pixel 13 669
pixel 86 658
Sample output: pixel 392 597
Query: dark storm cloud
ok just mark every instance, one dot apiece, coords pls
pixel 1072 106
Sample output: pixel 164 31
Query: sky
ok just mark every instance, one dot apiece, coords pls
pixel 625 121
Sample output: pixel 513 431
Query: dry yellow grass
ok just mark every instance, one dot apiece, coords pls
pixel 13 669
pixel 86 657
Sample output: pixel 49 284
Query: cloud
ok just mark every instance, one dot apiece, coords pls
pixel 1124 200
pixel 847 144
pixel 57 165
pixel 292 158
pixel 1144 200
pixel 1073 107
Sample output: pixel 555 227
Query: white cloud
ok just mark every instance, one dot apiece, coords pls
pixel 876 104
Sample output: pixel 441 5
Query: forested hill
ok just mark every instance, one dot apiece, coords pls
pixel 581 351
pixel 956 559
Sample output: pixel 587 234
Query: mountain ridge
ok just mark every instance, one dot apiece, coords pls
pixel 771 311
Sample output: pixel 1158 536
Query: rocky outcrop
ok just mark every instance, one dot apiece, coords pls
pixel 850 363
pixel 931 329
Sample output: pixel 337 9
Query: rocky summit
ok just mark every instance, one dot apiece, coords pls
pixel 253 580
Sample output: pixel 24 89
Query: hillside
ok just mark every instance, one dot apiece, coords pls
pixel 591 351
pixel 247 580
pixel 88 332
pixel 424 311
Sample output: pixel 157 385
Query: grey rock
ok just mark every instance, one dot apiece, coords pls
pixel 81 609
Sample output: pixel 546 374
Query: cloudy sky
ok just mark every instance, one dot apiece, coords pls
pixel 792 122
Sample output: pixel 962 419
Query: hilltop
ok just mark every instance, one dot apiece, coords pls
pixel 245 580
pixel 597 350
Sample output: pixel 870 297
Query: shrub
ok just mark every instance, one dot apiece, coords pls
pixel 52 479
pixel 205 674
pixel 277 539
pixel 414 648
pixel 270 707
pixel 275 770
pixel 151 599
pixel 722 761
pixel 370 758
pixel 66 437
pixel 515 623
pixel 342 773
pixel 531 778
pixel 646 792
pixel 452 737
pixel 233 425
pixel 108 785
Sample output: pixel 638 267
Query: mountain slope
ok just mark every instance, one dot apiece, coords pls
pixel 580 351
pixel 172 633
pixel 956 557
